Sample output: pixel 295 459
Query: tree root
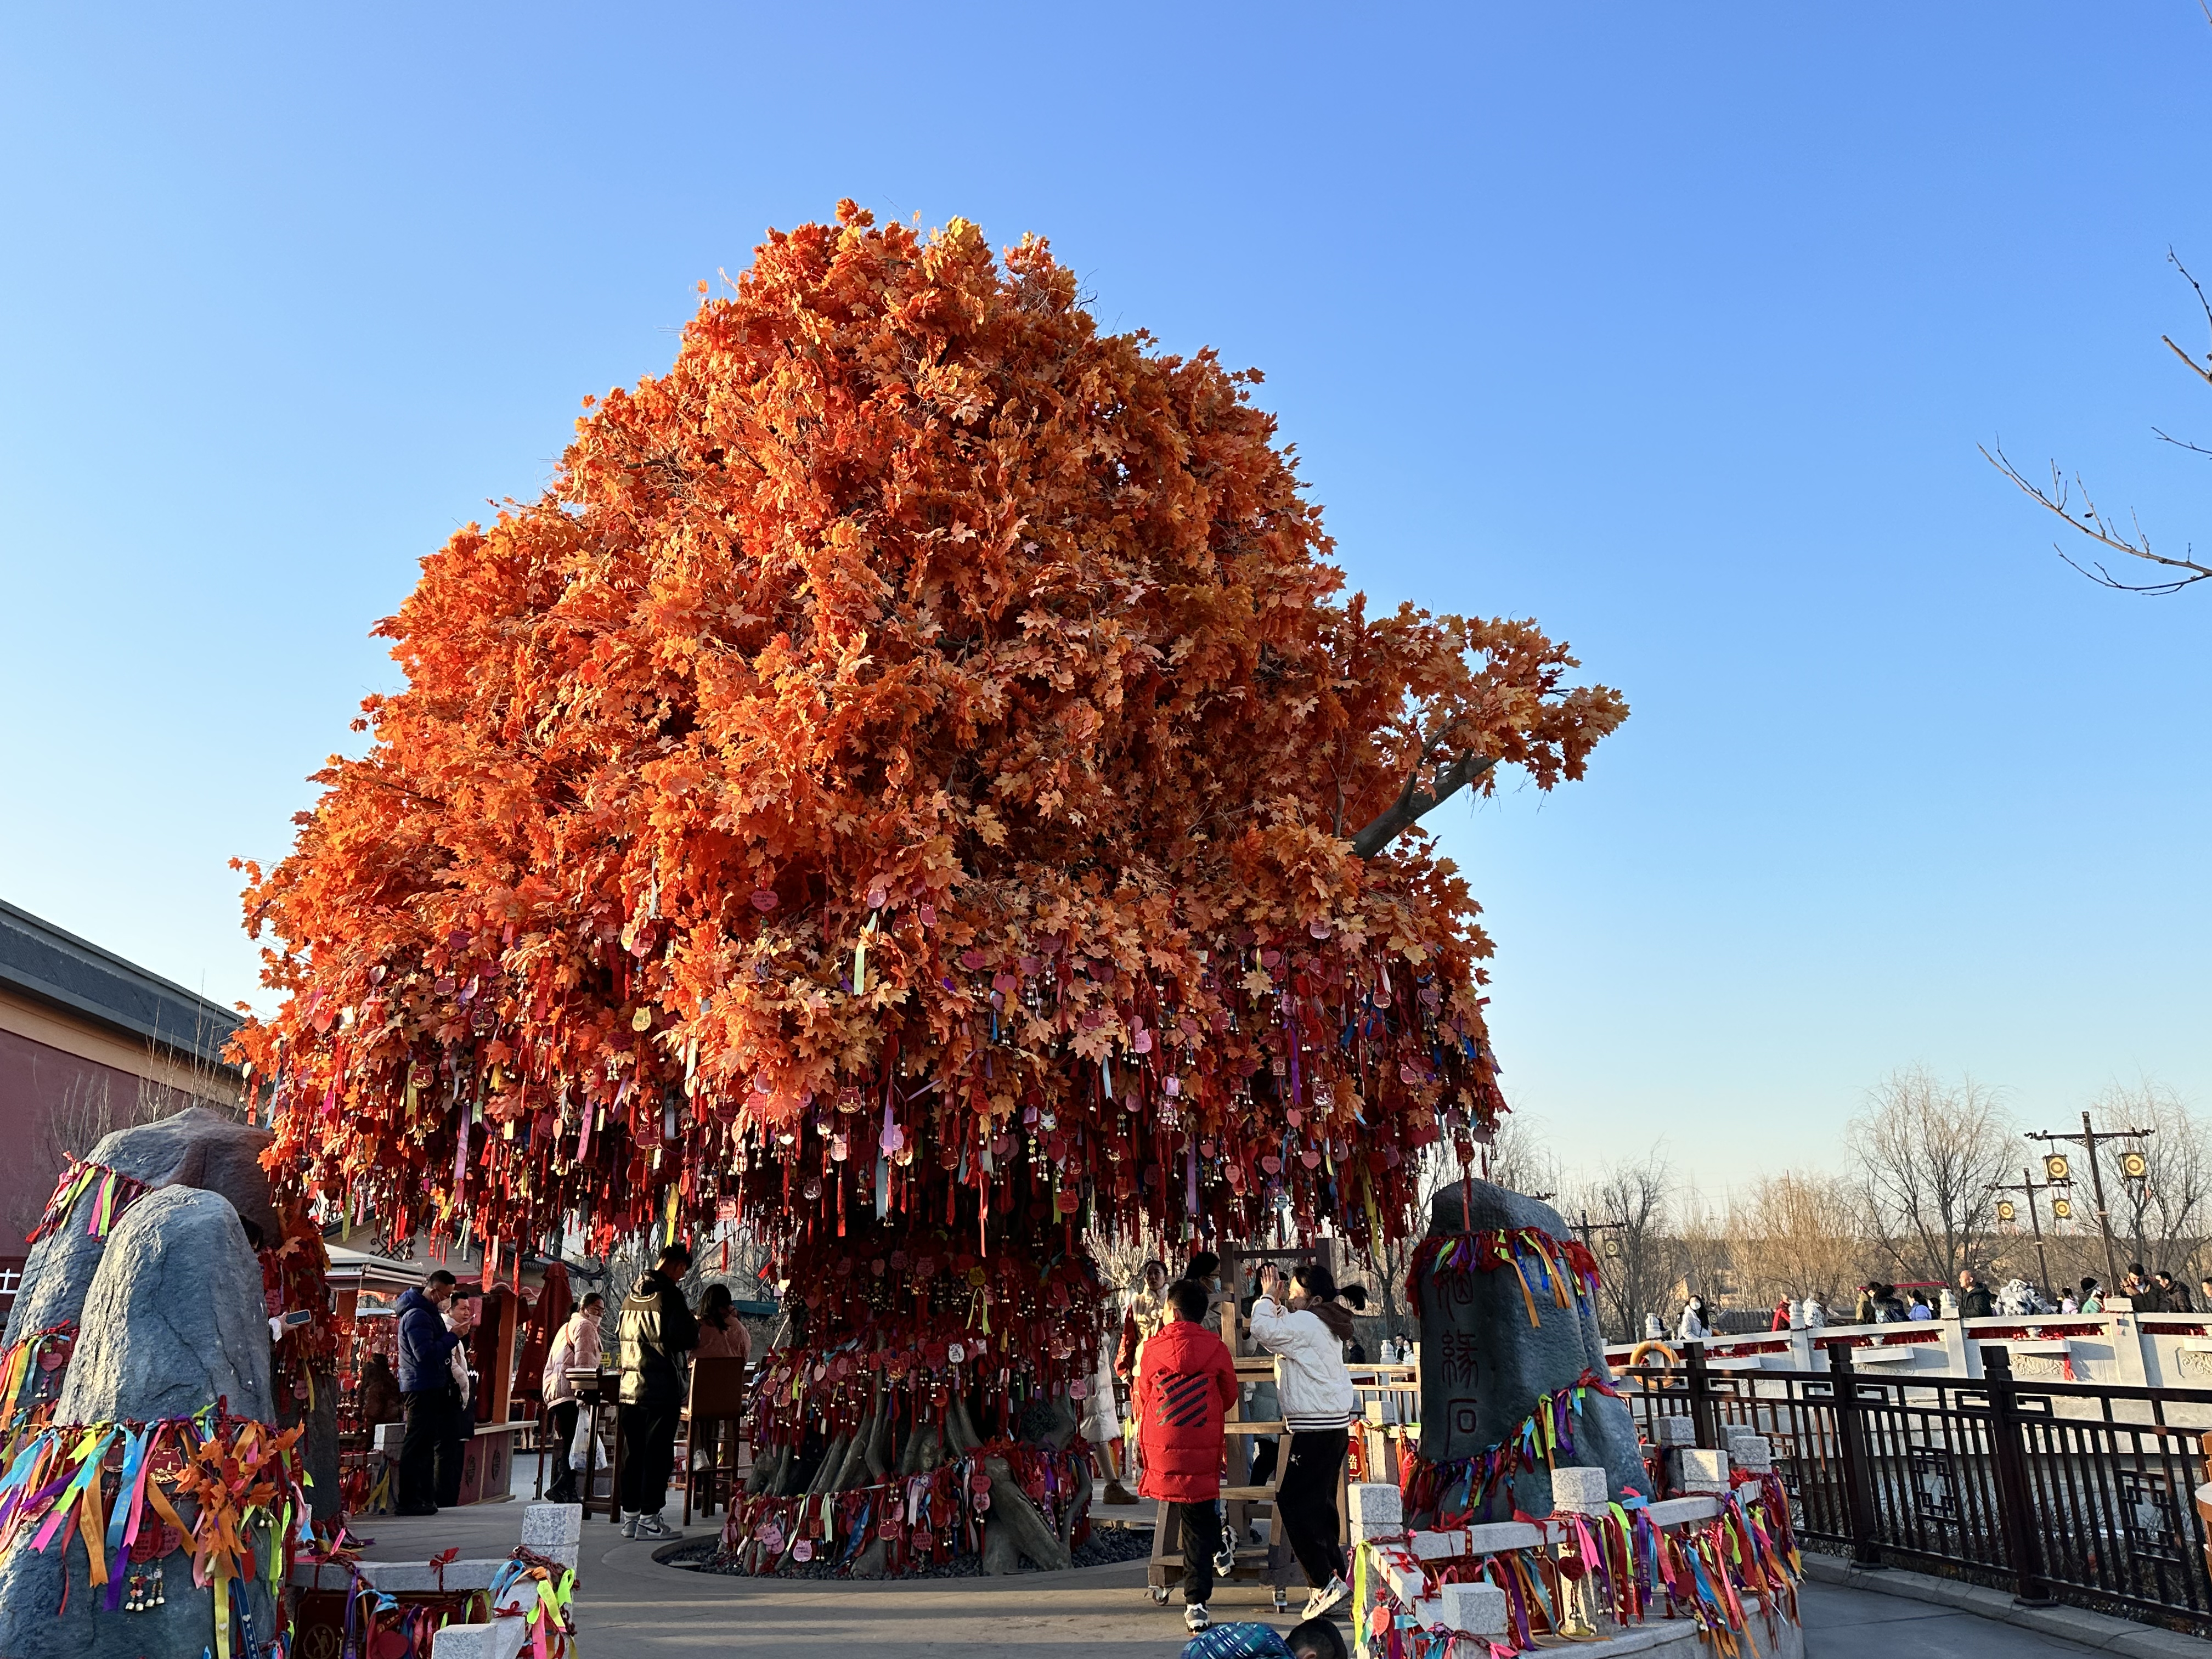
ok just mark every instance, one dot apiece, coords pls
pixel 769 1473
pixel 1020 1524
pixel 833 1461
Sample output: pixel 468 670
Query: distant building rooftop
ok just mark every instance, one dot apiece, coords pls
pixel 39 960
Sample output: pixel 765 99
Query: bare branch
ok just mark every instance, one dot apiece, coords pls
pixel 2092 523
pixel 2194 367
pixel 1403 813
pixel 2179 443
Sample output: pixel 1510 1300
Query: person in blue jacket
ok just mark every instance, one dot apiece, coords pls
pixel 1316 1638
pixel 426 1379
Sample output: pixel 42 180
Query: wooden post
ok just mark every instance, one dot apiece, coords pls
pixel 500 1386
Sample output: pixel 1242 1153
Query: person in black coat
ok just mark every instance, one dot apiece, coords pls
pixel 656 1331
pixel 425 1377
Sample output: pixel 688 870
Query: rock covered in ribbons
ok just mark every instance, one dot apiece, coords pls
pixel 1507 1386
pixel 1559 1268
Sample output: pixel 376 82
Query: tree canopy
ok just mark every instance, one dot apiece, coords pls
pixel 905 770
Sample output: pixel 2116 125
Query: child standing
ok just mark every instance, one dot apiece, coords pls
pixel 1185 1383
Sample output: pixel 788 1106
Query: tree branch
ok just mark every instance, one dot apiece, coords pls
pixel 1403 813
pixel 2097 527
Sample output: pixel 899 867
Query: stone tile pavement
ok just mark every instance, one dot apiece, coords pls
pixel 1856 1624
pixel 633 1607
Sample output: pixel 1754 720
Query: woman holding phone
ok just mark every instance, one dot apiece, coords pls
pixel 1305 1329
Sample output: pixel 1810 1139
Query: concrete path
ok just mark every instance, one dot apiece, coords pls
pixel 631 1606
pixel 1856 1624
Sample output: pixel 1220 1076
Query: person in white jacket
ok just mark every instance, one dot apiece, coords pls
pixel 1306 1333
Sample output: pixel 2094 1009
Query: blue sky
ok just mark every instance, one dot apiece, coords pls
pixel 1675 328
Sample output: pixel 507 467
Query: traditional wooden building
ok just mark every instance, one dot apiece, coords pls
pixel 88 1043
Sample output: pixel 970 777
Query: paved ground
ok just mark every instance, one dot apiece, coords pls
pixel 1856 1624
pixel 635 1608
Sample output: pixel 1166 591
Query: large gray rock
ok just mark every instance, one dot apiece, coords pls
pixel 173 1322
pixel 195 1147
pixel 175 1318
pixel 1484 1367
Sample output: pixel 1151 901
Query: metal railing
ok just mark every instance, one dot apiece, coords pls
pixel 2079 1492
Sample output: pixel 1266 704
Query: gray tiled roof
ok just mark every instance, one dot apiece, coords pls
pixel 38 959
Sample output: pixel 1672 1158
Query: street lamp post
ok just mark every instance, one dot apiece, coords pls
pixel 2030 1185
pixel 2055 1165
pixel 1589 1229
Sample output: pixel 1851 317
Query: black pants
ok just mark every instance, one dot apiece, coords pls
pixel 1306 1500
pixel 560 1430
pixel 1263 1461
pixel 429 1414
pixel 1201 1537
pixel 453 1449
pixel 648 1452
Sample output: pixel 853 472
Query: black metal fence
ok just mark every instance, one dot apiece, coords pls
pixel 2079 1492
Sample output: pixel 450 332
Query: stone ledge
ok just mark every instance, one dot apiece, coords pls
pixel 2092 1630
pixel 1679 1511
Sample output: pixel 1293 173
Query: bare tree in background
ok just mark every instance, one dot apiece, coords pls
pixel 1521 1160
pixel 2165 1218
pixel 1795 1234
pixel 1929 1152
pixel 1638 1193
pixel 1121 1260
pixel 1704 1252
pixel 95 1105
pixel 2090 521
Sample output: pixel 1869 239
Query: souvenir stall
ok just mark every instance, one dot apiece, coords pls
pixel 365 1287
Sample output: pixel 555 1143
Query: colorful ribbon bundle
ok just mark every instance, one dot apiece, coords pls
pixel 1563 1268
pixel 1710 1569
pixel 545 1588
pixel 925 1519
pixel 1453 1490
pixel 1707 1572
pixel 116 1192
pixel 241 1478
pixel 31 1373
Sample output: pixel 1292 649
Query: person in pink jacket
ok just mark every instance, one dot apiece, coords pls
pixel 575 1346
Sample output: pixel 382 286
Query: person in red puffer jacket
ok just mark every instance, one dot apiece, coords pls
pixel 1185 1383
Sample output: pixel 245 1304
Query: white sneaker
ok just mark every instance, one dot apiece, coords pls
pixel 1325 1598
pixel 1195 1617
pixel 629 1523
pixel 1224 1559
pixel 653 1527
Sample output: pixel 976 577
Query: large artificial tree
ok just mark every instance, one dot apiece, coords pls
pixel 913 786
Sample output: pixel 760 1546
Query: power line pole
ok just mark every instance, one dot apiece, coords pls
pixel 2056 1166
pixel 2029 1185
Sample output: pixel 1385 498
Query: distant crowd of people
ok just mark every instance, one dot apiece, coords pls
pixel 1881 1302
